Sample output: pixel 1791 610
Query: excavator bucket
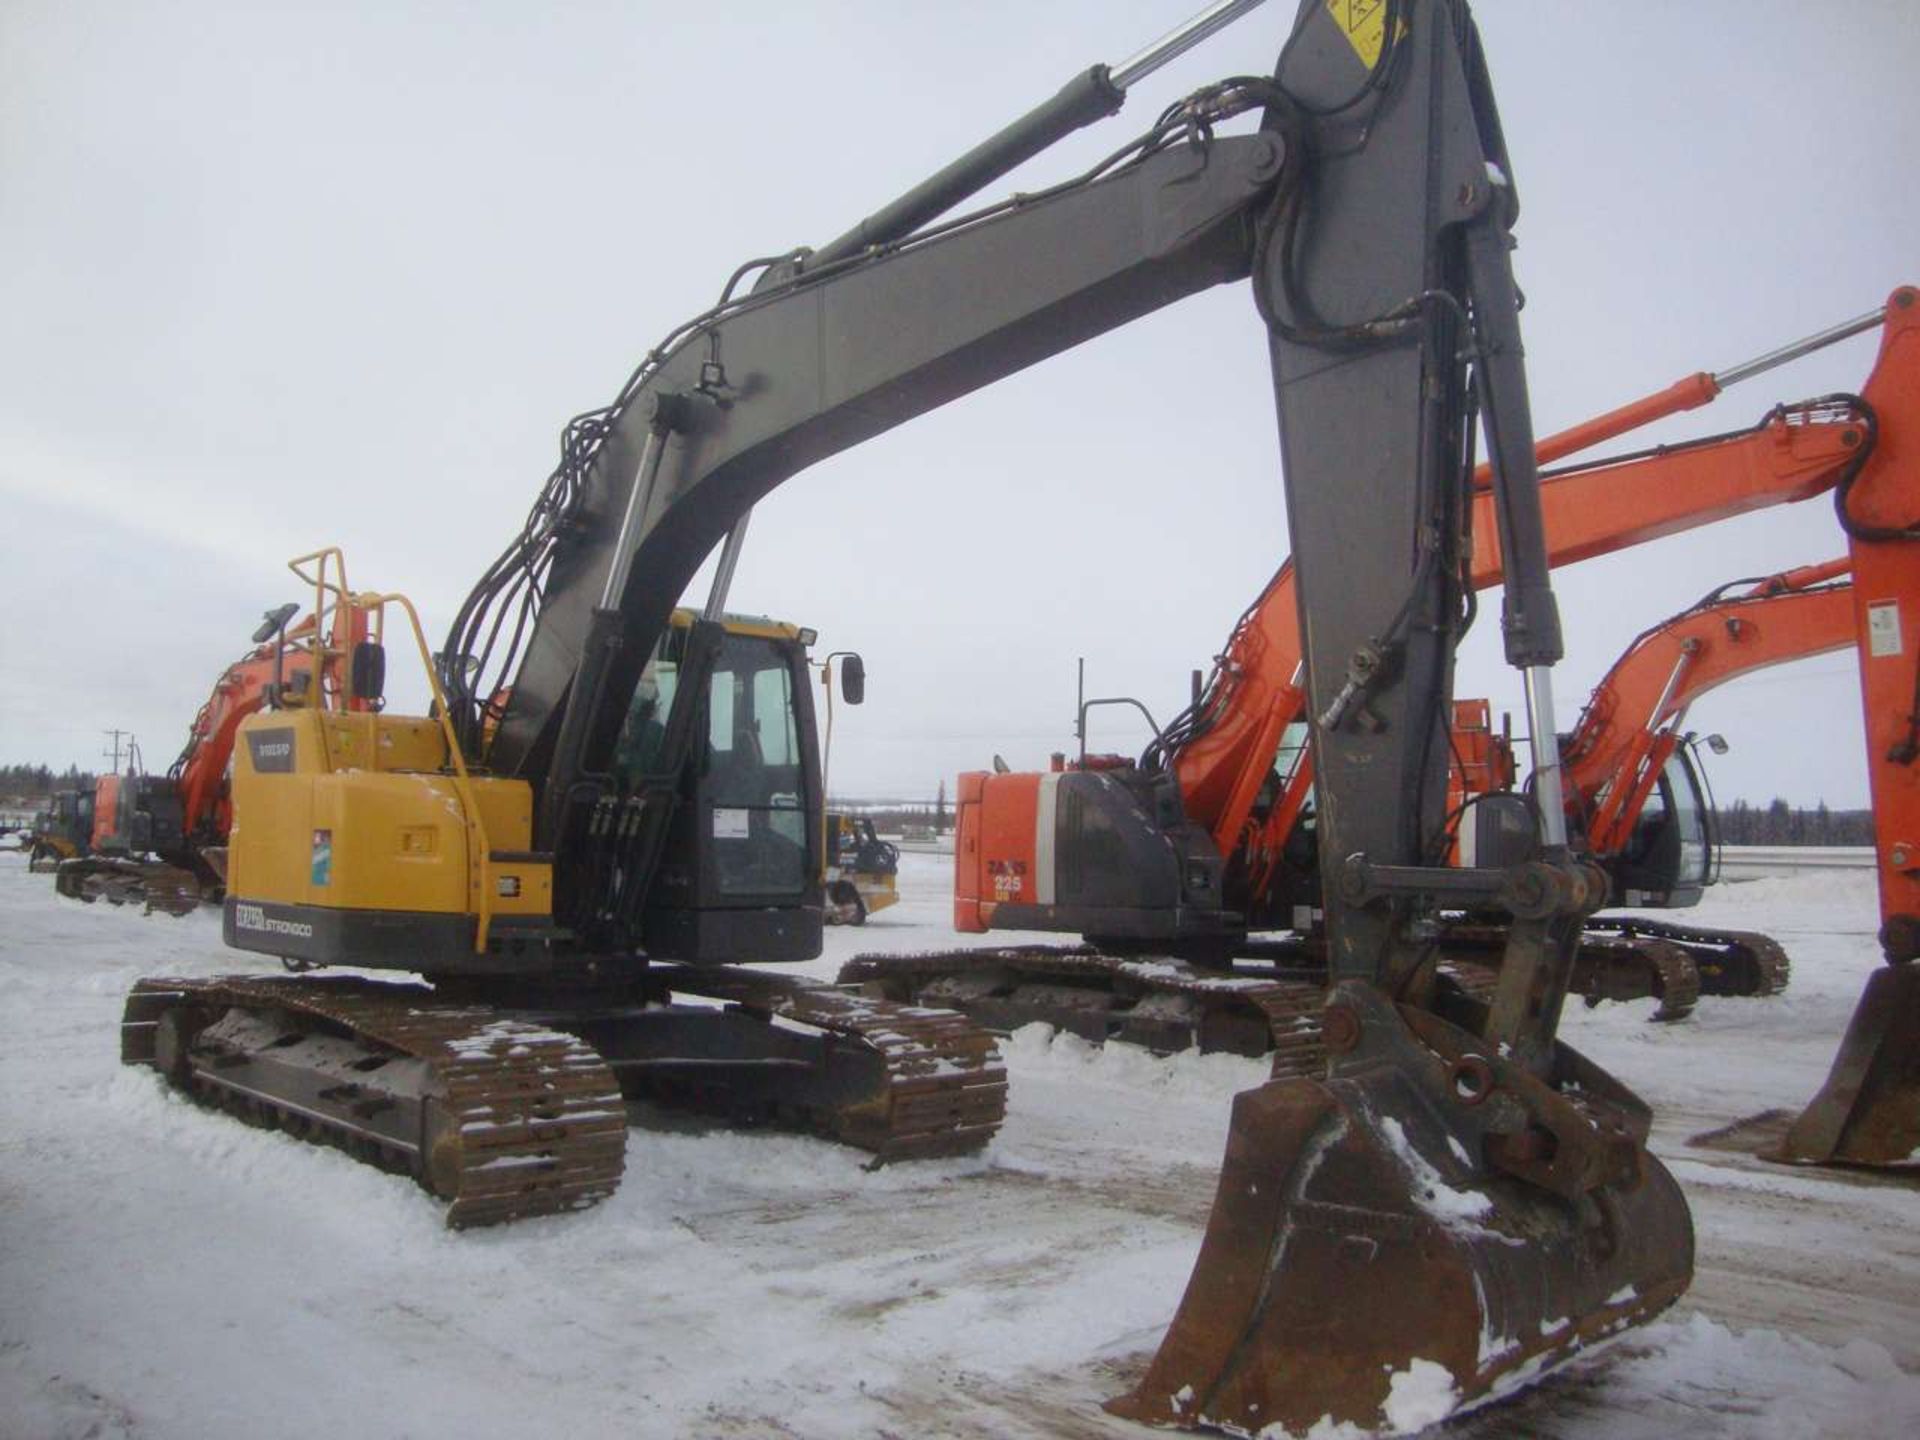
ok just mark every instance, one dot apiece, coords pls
pixel 1428 1227
pixel 1868 1112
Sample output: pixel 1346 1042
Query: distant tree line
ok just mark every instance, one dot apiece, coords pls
pixel 1775 823
pixel 1778 823
pixel 29 781
pixel 892 817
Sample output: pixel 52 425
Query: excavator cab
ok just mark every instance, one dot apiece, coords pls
pixel 64 829
pixel 739 876
pixel 136 814
pixel 1669 861
pixel 363 833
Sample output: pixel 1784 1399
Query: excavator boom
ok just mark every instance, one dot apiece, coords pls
pixel 1630 726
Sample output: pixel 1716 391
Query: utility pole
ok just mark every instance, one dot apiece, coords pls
pixel 116 734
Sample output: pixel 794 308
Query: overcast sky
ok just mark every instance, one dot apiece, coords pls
pixel 275 276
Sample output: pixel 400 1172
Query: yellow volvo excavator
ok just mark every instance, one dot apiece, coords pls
pixel 1455 1193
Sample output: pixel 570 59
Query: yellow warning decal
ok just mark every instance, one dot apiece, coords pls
pixel 1364 23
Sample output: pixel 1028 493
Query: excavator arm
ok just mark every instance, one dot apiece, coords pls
pixel 1868 1112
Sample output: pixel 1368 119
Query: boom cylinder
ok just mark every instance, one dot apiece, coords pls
pixel 1530 620
pixel 1832 335
pixel 1178 41
pixel 1090 96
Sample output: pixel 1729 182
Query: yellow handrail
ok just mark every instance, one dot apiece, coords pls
pixel 317 645
pixel 479 871
pixel 333 596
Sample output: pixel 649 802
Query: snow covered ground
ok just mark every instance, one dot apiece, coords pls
pixel 166 1272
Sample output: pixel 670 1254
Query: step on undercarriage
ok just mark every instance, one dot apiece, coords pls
pixel 510 1112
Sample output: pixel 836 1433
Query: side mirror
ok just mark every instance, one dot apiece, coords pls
pixel 1717 744
pixel 853 679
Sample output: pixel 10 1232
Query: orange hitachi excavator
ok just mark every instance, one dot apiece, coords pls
pixel 1868 1112
pixel 159 841
pixel 1634 792
pixel 1084 849
pixel 1023 851
pixel 1222 749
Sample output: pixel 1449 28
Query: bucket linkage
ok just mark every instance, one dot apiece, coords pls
pixel 1460 1205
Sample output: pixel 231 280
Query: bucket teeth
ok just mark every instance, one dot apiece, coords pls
pixel 1373 1257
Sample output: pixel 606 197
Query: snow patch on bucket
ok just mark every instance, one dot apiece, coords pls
pixel 1423 1394
pixel 1430 1191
